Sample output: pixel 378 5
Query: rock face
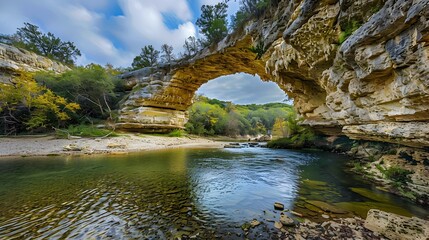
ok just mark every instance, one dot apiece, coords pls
pixel 374 85
pixel 15 59
pixel 397 227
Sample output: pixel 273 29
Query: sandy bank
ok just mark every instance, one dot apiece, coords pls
pixel 42 146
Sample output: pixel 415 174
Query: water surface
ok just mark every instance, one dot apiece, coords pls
pixel 162 194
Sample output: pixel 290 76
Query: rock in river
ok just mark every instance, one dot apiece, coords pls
pixel 279 206
pixel 286 220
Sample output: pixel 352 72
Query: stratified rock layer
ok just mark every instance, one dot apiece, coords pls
pixel 374 85
pixel 16 59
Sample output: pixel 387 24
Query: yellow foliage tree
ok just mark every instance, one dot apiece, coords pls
pixel 24 102
pixel 280 128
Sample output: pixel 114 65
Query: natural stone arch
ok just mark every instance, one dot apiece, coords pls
pixel 162 95
pixel 373 86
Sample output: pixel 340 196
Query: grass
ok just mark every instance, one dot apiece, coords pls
pixel 84 131
pixel 348 30
pixel 358 167
pixel 398 175
pixel 177 133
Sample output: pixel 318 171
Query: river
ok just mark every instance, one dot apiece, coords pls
pixel 199 193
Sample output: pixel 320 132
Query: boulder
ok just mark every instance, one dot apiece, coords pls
pixel 396 227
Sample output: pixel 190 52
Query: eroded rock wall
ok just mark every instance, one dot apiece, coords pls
pixel 374 85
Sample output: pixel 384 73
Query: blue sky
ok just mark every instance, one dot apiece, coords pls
pixel 114 31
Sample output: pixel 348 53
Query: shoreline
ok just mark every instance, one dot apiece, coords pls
pixel 35 146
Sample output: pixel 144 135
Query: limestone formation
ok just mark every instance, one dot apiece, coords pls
pixel 374 85
pixel 16 59
pixel 397 227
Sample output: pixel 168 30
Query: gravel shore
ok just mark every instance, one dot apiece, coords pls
pixel 49 145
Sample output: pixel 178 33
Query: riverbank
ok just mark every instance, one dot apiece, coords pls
pixel 125 143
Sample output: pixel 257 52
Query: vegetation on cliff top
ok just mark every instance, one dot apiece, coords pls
pixel 31 38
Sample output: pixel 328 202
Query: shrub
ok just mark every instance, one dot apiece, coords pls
pixel 357 166
pixel 259 50
pixel 26 105
pixel 176 133
pixel 304 138
pixel 348 30
pixel 398 175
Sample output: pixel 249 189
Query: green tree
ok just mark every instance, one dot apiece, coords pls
pixel 167 53
pixel 213 22
pixel 92 86
pixel 30 38
pixel 211 116
pixel 25 105
pixel 191 47
pixel 147 58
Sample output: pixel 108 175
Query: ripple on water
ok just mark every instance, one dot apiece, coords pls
pixel 157 195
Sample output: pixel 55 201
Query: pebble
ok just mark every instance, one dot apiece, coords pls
pixel 325 216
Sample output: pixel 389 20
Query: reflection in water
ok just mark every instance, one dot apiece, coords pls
pixel 159 195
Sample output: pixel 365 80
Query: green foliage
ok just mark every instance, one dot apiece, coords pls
pixel 25 105
pixel 259 50
pixel 95 89
pixel 250 9
pixel 167 53
pixel 357 166
pixel 84 131
pixel 29 37
pixel 213 22
pixel 214 117
pixel 191 47
pixel 147 58
pixel 398 175
pixel 302 138
pixel 348 29
pixel 177 133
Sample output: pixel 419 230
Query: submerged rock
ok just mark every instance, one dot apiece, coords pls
pixel 326 207
pixel 254 223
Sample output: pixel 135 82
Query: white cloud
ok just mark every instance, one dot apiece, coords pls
pixel 242 89
pixel 142 23
pixel 110 31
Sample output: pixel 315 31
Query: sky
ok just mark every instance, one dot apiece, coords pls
pixel 114 31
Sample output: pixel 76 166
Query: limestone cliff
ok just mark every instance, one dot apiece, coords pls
pixel 374 85
pixel 14 59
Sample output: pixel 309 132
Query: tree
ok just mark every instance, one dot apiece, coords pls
pixel 25 105
pixel 191 47
pixel 91 86
pixel 168 54
pixel 30 38
pixel 213 22
pixel 147 58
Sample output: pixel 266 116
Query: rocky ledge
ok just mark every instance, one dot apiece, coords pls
pixel 378 225
pixel 14 60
